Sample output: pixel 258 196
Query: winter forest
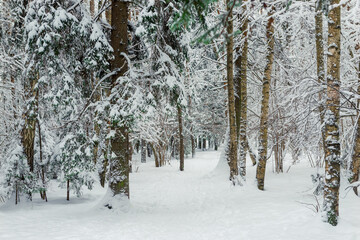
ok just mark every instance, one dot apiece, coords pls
pixel 183 119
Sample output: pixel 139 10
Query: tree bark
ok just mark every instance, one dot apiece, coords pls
pixel 192 136
pixel 149 150
pixel 29 128
pixel 332 148
pixel 68 190
pixel 251 153
pixel 320 61
pixel 119 157
pixel 232 148
pixel 204 144
pixel 43 191
pixel 108 13
pixel 241 92
pixel 193 145
pixel 156 157
pixel 181 138
pixel 92 7
pixel 28 131
pixel 143 151
pixel 263 138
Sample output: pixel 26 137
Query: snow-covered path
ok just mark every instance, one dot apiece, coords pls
pixel 196 204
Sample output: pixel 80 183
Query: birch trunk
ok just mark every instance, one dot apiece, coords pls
pixel 320 60
pixel 263 138
pixel 232 149
pixel 332 147
pixel 241 92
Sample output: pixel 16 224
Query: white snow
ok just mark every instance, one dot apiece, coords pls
pixel 196 204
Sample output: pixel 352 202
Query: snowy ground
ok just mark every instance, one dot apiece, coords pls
pixel 195 204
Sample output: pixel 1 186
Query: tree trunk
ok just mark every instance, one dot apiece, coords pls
pixel 16 193
pixel 149 150
pixel 108 13
pixel 156 157
pixel 320 61
pixel 96 127
pixel 263 138
pixel 130 152
pixel 241 92
pixel 29 128
pixel 192 137
pixel 161 153
pixel 204 144
pixel 119 156
pixel 143 151
pixel 251 153
pixel 278 154
pixel 181 138
pixel 332 148
pixel 43 191
pixel 28 131
pixel 193 145
pixel 68 190
pixel 232 149
pixel 92 7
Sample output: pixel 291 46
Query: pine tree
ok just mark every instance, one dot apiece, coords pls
pixel 58 63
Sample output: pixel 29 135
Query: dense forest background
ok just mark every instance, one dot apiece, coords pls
pixel 85 85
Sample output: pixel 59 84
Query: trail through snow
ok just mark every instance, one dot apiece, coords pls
pixel 195 204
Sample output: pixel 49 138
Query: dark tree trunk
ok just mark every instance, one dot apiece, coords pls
pixel 68 190
pixel 143 151
pixel 43 191
pixel 204 144
pixel 29 128
pixel 232 148
pixel 120 156
pixel 181 137
pixel 193 146
pixel 149 150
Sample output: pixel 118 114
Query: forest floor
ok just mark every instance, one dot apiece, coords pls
pixel 196 204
